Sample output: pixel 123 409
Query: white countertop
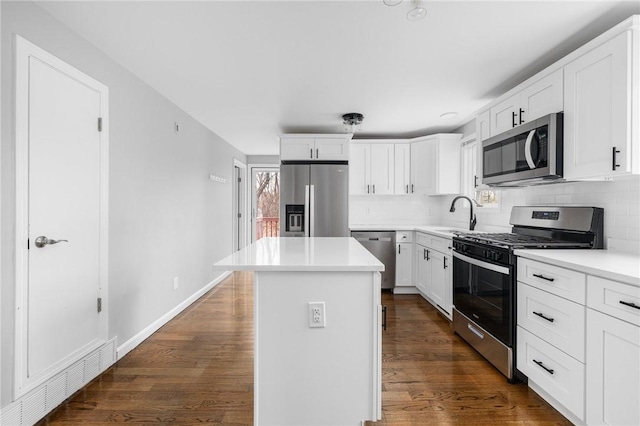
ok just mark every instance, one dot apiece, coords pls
pixel 440 231
pixel 301 254
pixel 609 264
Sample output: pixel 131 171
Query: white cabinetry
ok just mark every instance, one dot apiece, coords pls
pixel 434 273
pixel 403 184
pixel 539 98
pixel 310 147
pixel 613 353
pixel 404 259
pixel 578 342
pixel 435 164
pixel 483 121
pixel 371 169
pixel 601 115
pixel 428 165
pixel 551 333
pixel 423 268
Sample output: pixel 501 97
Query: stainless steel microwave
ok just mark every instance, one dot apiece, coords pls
pixel 528 154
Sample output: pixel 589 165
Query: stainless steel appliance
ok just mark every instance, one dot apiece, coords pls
pixel 484 274
pixel 525 155
pixel 314 200
pixel 382 244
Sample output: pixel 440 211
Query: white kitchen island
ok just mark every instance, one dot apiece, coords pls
pixel 305 374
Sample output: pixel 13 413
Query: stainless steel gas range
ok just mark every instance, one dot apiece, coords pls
pixel 484 274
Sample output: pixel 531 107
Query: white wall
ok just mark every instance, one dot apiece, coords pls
pixel 166 218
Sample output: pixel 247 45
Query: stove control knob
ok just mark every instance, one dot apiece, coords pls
pixel 498 256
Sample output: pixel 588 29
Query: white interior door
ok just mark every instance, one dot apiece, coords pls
pixel 62 189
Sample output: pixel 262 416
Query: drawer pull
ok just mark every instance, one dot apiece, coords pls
pixel 543 277
pixel 474 331
pixel 541 365
pixel 631 304
pixel 542 316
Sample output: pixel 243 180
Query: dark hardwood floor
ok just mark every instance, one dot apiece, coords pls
pixel 199 369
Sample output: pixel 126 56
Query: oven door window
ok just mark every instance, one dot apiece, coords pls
pixel 485 296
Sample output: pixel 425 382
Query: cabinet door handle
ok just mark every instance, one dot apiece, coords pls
pixel 631 304
pixel 374 188
pixel 444 259
pixel 412 191
pixel 521 112
pixel 548 370
pixel 542 316
pixel 317 155
pixel 399 246
pixel 427 254
pixel 407 189
pixel 475 181
pixel 615 158
pixel 384 317
pixel 543 277
pixel 310 152
pixel 368 192
pixel 513 119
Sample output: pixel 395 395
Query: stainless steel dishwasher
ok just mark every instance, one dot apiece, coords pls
pixel 382 244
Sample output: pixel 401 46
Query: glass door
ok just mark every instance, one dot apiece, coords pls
pixel 265 202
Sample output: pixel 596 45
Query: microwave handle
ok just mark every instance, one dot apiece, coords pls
pixel 527 150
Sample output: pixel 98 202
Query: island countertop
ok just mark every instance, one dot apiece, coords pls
pixel 301 254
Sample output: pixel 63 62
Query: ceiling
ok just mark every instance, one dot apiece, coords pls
pixel 252 70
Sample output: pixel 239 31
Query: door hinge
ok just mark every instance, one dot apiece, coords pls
pixel 99 304
pixel 239 179
pixel 99 124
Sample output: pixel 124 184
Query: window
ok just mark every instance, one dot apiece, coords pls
pixel 485 196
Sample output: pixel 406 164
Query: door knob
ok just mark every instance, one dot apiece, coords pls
pixel 43 241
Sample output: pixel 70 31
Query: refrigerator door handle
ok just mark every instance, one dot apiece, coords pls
pixel 312 199
pixel 306 210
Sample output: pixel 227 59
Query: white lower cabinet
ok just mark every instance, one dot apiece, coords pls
pixel 434 271
pixel 613 353
pixel 578 342
pixel 550 337
pixel 555 372
pixel 559 321
pixel 404 264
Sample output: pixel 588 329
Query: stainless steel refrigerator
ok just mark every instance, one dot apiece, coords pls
pixel 314 200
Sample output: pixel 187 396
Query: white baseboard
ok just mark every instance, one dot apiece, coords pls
pixel 405 290
pixel 130 344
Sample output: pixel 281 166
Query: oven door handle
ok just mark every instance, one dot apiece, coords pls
pixel 486 265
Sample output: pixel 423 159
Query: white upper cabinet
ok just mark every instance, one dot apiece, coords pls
pixel 371 169
pixel 314 147
pixel 601 116
pixel 402 174
pixel 435 164
pixel 428 165
pixel 540 98
pixel 483 122
pixel 598 88
pixel 382 168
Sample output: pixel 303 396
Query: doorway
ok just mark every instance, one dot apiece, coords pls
pixel 265 200
pixel 239 206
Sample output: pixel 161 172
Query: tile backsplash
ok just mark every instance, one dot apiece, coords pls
pixel 620 200
pixel 393 210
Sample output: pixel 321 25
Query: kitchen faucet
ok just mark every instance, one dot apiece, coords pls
pixel 472 216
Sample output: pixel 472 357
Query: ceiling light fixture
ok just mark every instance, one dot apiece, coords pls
pixel 352 121
pixel 448 115
pixel 392 2
pixel 417 13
